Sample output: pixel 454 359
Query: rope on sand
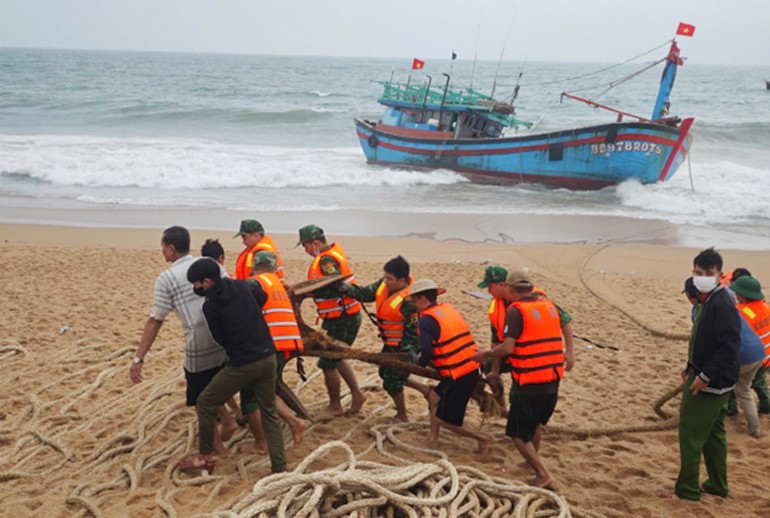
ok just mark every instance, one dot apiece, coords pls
pixel 414 489
pixel 668 423
pixel 655 332
pixel 11 348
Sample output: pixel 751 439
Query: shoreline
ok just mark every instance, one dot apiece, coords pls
pixel 518 229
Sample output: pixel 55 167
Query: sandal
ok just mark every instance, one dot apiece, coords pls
pixel 195 463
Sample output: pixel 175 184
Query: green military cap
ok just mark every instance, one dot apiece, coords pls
pixel 264 260
pixel 493 274
pixel 310 233
pixel 749 287
pixel 249 226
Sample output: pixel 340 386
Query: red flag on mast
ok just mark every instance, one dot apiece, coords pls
pixel 417 64
pixel 685 29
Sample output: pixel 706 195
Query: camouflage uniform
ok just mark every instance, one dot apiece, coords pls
pixel 392 380
pixel 344 328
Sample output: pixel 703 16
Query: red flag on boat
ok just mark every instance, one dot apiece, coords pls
pixel 417 64
pixel 685 29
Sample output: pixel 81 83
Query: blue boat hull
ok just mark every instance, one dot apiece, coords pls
pixel 585 158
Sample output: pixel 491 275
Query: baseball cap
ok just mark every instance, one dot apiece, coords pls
pixel 493 274
pixel 519 278
pixel 310 233
pixel 264 260
pixel 249 226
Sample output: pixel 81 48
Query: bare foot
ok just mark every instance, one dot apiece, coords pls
pixel 358 401
pixel 485 444
pixel 227 430
pixel 543 482
pixel 329 412
pixel 252 447
pixel 297 432
pixel 396 419
pixel 431 443
pixel 669 494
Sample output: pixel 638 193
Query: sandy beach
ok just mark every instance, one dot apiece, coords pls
pixel 78 438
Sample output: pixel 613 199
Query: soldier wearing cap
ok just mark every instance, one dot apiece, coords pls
pixel 396 320
pixel 447 344
pixel 534 349
pixel 341 315
pixel 254 239
pixel 756 312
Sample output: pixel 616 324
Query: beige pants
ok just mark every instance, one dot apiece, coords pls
pixel 745 397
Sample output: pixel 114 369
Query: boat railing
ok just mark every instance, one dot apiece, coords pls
pixel 455 100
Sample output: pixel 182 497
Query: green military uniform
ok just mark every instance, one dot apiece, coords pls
pixel 392 380
pixel 344 328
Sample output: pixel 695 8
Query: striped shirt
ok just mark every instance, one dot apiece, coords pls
pixel 174 293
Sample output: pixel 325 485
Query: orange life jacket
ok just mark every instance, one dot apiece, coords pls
pixel 335 307
pixel 497 311
pixel 757 314
pixel 279 315
pixel 538 356
pixel 455 346
pixel 390 320
pixel 244 263
pixel 266 244
pixel 726 280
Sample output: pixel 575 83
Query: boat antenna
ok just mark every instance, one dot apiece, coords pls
pixel 497 71
pixel 476 49
pixel 500 61
pixel 518 81
pixel 392 71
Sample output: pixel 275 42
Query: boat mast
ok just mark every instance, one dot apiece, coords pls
pixel 425 99
pixel 667 82
pixel 441 109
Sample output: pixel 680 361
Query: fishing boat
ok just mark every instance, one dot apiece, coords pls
pixel 428 127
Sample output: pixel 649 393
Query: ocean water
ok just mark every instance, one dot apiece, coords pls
pixel 82 129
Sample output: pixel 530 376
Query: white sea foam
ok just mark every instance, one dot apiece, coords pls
pixel 724 192
pixel 174 163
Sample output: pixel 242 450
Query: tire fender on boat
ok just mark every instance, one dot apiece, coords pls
pixel 372 140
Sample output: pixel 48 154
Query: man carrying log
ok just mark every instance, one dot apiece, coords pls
pixel 396 320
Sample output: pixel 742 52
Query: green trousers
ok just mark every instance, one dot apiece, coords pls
pixel 702 432
pixel 258 378
pixel 759 384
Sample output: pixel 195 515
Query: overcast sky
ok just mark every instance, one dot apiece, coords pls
pixel 727 31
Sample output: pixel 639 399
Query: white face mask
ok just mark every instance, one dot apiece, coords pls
pixel 705 284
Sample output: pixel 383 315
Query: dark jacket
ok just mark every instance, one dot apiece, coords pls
pixel 233 311
pixel 717 343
